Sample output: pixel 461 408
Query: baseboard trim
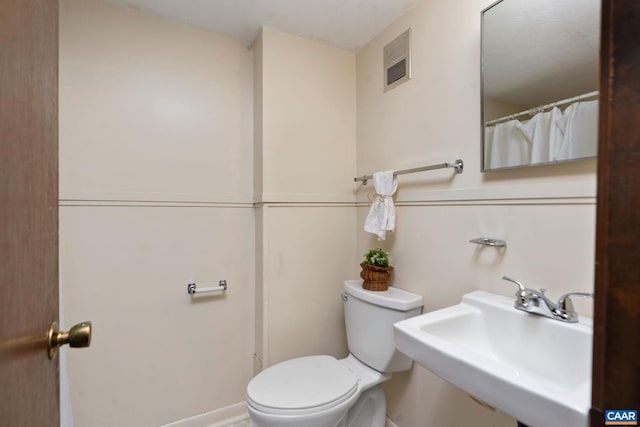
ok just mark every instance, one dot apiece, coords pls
pixel 390 423
pixel 217 418
pixel 226 416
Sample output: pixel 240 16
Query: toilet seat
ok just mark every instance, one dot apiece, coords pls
pixel 302 386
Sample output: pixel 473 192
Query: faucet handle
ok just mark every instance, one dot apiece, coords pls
pixel 565 303
pixel 521 287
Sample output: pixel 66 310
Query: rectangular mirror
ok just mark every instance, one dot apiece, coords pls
pixel 539 82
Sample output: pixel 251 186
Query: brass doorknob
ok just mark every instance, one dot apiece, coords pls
pixel 78 336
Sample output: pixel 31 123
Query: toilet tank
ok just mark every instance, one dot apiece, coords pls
pixel 369 318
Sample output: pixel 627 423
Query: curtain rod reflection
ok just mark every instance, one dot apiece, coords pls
pixel 533 111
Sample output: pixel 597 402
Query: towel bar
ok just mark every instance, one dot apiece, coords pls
pixel 458 165
pixel 191 288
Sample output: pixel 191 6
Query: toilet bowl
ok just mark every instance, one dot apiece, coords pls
pixel 313 391
pixel 321 391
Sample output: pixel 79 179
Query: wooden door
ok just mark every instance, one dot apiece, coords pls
pixel 29 393
pixel 616 352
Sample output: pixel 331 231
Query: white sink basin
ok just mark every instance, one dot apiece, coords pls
pixel 536 369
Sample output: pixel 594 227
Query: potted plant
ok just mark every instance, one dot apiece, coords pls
pixel 376 270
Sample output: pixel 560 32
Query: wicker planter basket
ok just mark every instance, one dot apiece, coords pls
pixel 375 278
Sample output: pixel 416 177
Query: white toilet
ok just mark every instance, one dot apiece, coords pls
pixel 320 391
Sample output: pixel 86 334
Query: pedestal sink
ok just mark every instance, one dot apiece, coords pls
pixel 536 369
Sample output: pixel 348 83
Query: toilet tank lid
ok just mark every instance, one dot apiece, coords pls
pixel 393 298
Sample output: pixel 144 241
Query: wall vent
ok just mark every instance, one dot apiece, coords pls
pixel 397 61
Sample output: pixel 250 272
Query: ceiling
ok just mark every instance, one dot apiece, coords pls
pixel 348 24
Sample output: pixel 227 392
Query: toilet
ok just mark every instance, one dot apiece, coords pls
pixel 321 391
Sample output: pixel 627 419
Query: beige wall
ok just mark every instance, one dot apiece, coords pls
pixel 308 120
pixel 305 140
pixel 308 254
pixel 157 354
pixel 495 110
pixel 546 214
pixel 156 191
pixel 152 109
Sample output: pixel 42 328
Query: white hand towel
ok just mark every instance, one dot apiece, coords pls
pixel 382 215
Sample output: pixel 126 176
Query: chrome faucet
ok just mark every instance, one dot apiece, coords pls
pixel 536 302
